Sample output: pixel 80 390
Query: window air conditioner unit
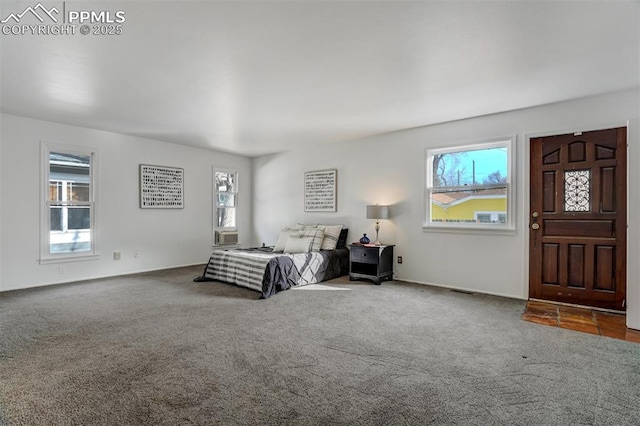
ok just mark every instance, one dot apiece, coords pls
pixel 226 237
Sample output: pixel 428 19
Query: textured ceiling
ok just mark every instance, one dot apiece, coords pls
pixel 262 77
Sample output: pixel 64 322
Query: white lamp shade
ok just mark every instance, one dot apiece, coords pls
pixel 377 212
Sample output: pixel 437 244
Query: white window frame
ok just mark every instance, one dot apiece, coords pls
pixel 45 216
pixel 492 228
pixel 236 193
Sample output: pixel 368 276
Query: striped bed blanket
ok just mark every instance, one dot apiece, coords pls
pixel 269 273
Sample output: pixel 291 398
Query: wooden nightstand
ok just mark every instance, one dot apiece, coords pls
pixel 372 263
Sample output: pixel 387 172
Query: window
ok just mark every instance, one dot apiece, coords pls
pixel 68 204
pixel 470 187
pixel 226 206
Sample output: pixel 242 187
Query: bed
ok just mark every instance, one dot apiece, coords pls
pixel 268 270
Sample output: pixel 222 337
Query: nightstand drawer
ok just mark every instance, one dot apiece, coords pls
pixel 364 254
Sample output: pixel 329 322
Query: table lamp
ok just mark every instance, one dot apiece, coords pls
pixel 377 212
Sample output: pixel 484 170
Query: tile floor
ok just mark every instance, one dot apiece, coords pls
pixel 580 319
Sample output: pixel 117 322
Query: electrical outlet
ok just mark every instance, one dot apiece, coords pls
pixel 117 255
pixel 60 269
pixel 399 259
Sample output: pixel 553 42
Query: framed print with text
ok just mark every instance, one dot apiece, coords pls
pixel 161 187
pixel 320 191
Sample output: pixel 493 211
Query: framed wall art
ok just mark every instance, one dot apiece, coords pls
pixel 320 191
pixel 161 187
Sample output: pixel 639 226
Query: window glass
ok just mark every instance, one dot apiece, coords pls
pixel 469 186
pixel 484 217
pixel 79 218
pixel 226 218
pixel 55 189
pixel 56 218
pixel 225 181
pixel 78 191
pixel 470 167
pixel 226 200
pixel 225 203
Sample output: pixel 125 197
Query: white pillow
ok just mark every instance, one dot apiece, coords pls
pixel 283 237
pixel 317 235
pixel 304 226
pixel 331 234
pixel 297 244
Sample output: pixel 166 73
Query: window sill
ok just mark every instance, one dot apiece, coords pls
pixel 469 229
pixel 65 259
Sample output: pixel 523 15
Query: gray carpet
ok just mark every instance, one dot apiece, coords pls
pixel 159 349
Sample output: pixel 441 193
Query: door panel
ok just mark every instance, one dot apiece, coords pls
pixel 584 228
pixel 576 265
pixel 578 220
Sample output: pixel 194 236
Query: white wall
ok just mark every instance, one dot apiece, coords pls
pixel 163 238
pixel 1 203
pixel 633 256
pixel 390 169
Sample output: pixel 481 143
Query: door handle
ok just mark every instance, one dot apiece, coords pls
pixel 534 214
pixel 535 226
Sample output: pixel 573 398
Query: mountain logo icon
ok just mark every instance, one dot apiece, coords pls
pixel 38 11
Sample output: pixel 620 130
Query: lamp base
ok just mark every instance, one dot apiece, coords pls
pixel 377 242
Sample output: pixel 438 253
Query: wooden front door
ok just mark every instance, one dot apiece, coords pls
pixel 578 218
